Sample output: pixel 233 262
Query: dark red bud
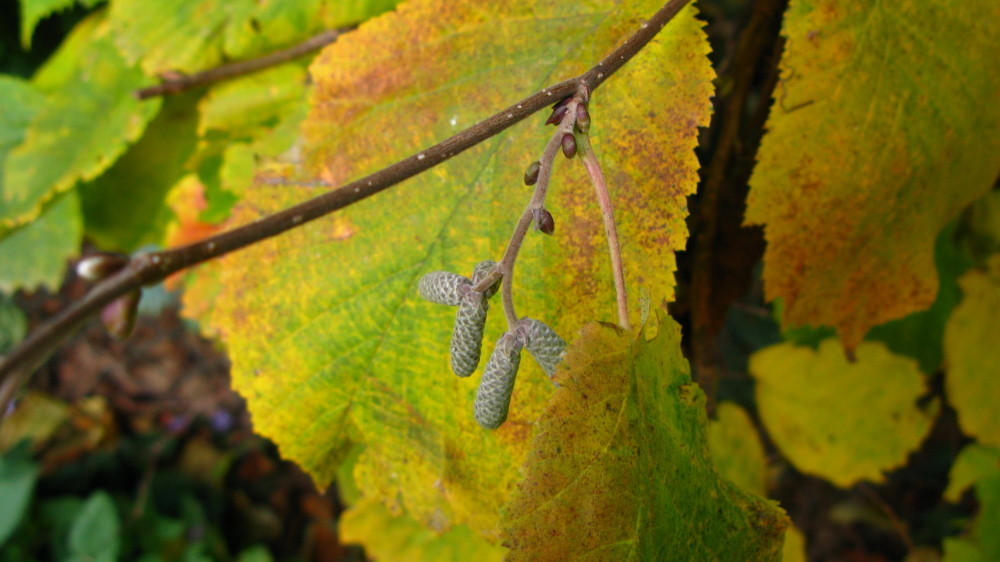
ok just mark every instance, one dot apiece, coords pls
pixel 119 315
pixel 531 174
pixel 100 266
pixel 582 118
pixel 557 115
pixel 545 222
pixel 569 145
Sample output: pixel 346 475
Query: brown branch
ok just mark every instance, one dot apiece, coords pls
pixel 175 83
pixel 150 268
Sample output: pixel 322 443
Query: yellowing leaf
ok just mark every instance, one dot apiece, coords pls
pixel 88 119
pixel 388 537
pixel 329 339
pixel 620 468
pixel 838 420
pixel 977 466
pixel 794 549
pixel 884 126
pixel 736 449
pixel 973 356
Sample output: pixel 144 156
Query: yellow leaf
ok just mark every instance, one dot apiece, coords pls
pixel 885 125
pixel 329 339
pixel 972 355
pixel 838 420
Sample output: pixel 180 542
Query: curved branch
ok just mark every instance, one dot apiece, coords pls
pixel 147 269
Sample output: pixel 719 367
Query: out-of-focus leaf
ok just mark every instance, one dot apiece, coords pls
pixel 883 128
pixel 35 254
pixel 36 418
pixel 18 474
pixel 191 35
pixel 972 376
pixel 94 534
pixel 125 207
pixel 839 420
pixel 329 338
pixel 795 546
pixel 399 537
pixel 981 227
pixel 238 108
pixel 87 120
pixel 13 323
pixel 736 449
pixel 920 335
pixel 34 11
pixel 977 466
pixel 620 467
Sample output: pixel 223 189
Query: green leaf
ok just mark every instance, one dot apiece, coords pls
pixel 125 207
pixel 884 127
pixel 13 323
pixel 400 537
pixel 972 354
pixel 94 534
pixel 18 474
pixel 36 253
pixel 329 339
pixel 20 102
pixel 736 449
pixel 977 466
pixel 87 120
pixel 34 11
pixel 191 35
pixel 839 420
pixel 620 466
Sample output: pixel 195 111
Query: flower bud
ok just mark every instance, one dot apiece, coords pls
pixel 569 145
pixel 497 384
pixel 443 287
pixel 531 174
pixel 559 111
pixel 100 266
pixel 582 118
pixel 119 315
pixel 544 221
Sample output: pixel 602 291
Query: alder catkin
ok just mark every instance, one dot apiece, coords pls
pixel 467 338
pixel 483 269
pixel 443 287
pixel 497 384
pixel 543 343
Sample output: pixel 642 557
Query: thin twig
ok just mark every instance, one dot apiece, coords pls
pixel 174 83
pixel 151 268
pixel 610 227
pixel 506 266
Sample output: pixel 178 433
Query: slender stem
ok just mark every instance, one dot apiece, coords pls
pixel 175 84
pixel 146 269
pixel 610 227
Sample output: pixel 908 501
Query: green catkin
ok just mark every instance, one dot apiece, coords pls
pixel 497 384
pixel 467 338
pixel 443 287
pixel 543 343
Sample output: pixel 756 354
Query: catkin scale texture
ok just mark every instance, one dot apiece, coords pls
pixel 467 338
pixel 443 287
pixel 543 343
pixel 497 384
pixel 483 269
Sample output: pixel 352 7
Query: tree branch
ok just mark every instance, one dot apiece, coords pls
pixel 150 268
pixel 174 83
